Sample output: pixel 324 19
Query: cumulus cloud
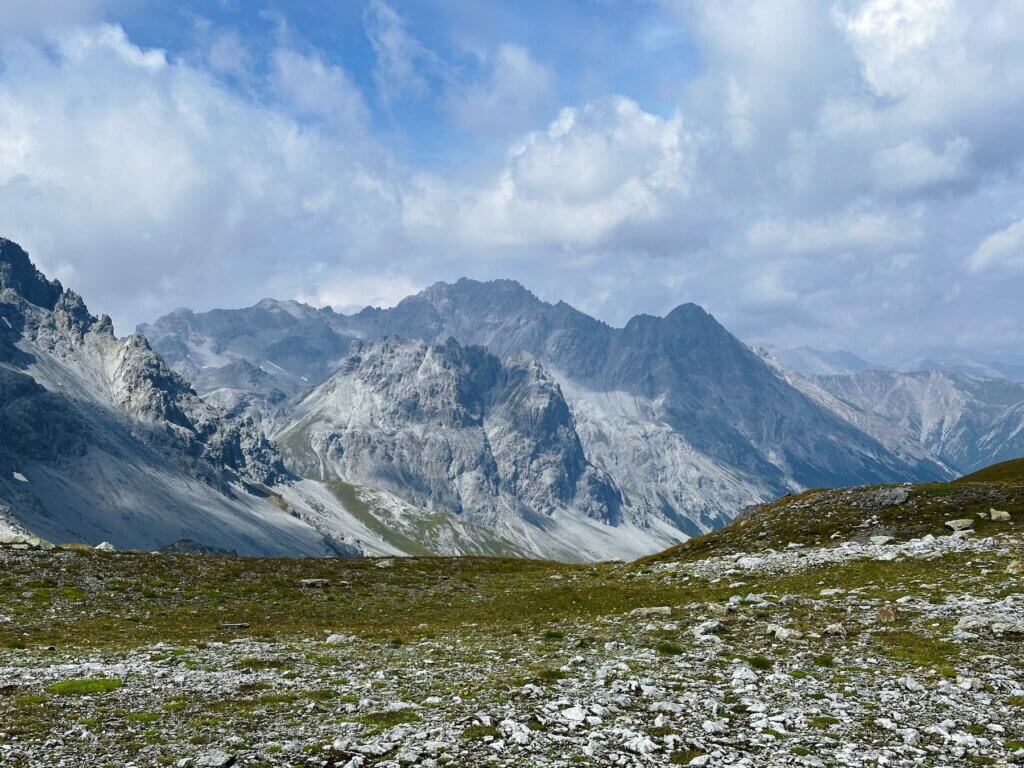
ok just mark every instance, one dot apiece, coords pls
pixel 516 89
pixel 840 174
pixel 352 292
pixel 311 87
pixel 146 184
pixel 593 169
pixel 228 55
pixel 404 65
pixel 1002 250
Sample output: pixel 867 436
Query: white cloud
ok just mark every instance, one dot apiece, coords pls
pixel 228 55
pixel 163 187
pixel 352 292
pixel 1002 250
pixel 830 236
pixel 311 87
pixel 593 169
pixel 509 98
pixel 913 165
pixel 894 37
pixel 23 17
pixel 404 65
pixel 820 180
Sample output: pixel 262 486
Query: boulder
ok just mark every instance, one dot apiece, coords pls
pixel 960 524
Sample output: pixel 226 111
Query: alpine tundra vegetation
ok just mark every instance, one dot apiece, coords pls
pixel 837 627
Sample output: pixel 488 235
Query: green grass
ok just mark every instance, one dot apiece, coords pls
pixel 84 687
pixel 918 649
pixel 1011 471
pixel 142 717
pixel 819 517
pixel 479 732
pixel 389 719
pixel 684 757
pixel 416 597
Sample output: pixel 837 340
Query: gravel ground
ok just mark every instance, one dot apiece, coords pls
pixel 919 664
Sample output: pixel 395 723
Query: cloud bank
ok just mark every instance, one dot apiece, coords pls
pixel 846 174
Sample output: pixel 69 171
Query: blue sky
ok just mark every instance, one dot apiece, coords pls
pixel 572 40
pixel 840 173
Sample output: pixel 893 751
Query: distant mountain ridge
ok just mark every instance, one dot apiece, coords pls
pixel 964 421
pixel 808 361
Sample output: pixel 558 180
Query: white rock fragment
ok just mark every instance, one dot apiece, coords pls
pixel 215 758
pixel 960 524
pixel 661 610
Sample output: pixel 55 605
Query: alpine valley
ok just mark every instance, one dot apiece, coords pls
pixel 471 418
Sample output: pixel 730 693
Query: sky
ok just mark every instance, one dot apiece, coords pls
pixel 847 174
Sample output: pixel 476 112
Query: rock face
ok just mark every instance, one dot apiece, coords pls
pixel 101 440
pixel 449 427
pixel 730 430
pixel 965 422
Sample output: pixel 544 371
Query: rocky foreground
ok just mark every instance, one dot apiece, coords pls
pixel 889 644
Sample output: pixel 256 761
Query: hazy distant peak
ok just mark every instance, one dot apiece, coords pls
pixel 808 361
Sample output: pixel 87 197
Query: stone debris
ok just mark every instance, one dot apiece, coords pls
pixel 828 674
pixel 17 541
pixel 960 524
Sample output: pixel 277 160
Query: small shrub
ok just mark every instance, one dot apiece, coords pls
pixel 142 717
pixel 85 687
pixel 478 732
pixel 389 719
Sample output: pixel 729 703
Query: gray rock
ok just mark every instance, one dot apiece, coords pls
pixel 661 610
pixel 215 758
pixel 960 524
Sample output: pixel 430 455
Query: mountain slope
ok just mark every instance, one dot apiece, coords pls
pixel 102 441
pixel 965 422
pixel 699 379
pixel 452 428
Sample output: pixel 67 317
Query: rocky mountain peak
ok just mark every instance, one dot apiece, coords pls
pixel 19 274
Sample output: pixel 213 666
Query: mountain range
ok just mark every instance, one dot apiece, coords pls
pixel 470 418
pixel 808 361
pixel 686 422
